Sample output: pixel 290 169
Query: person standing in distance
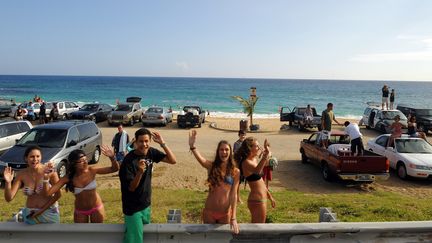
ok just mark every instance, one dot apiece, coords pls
pixel 327 117
pixel 392 99
pixel 135 179
pixel 385 96
pixel 119 143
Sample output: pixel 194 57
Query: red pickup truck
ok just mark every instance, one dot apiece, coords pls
pixel 337 161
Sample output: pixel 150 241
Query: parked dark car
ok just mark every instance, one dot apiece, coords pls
pixel 6 106
pixel 191 116
pixel 56 140
pixel 423 116
pixel 94 112
pixel 296 117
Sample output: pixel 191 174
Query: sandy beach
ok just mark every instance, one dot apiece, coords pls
pixel 291 173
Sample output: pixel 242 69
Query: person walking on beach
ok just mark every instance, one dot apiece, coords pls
pixel 40 207
pixel 223 180
pixel 135 179
pixel 237 144
pixel 392 99
pixel 353 131
pixel 119 143
pixel 251 169
pixel 385 96
pixel 81 180
pixel 327 117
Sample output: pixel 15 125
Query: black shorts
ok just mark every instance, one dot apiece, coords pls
pixel 357 143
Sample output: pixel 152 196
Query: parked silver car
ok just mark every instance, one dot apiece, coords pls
pixel 56 140
pixel 65 108
pixel 157 116
pixel 126 113
pixel 11 131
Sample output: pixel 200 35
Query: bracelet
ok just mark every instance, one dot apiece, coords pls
pixel 45 181
pixel 163 145
pixel 192 148
pixel 233 219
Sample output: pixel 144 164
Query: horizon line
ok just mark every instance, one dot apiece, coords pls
pixel 217 77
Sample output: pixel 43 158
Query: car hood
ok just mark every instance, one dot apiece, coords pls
pixel 418 159
pixel 121 112
pixel 15 154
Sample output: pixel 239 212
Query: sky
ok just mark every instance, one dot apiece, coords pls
pixel 304 39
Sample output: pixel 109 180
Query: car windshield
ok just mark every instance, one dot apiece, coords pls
pixel 418 146
pixel 424 112
pixel 339 139
pixel 124 108
pixel 154 110
pixel 51 138
pixel 390 115
pixel 89 107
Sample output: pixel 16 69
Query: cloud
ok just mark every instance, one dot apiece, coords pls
pixel 422 55
pixel 184 66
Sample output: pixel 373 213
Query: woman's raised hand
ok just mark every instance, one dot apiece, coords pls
pixel 107 151
pixel 192 138
pixel 8 174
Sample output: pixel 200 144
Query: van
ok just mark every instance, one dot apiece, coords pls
pixel 10 131
pixel 56 140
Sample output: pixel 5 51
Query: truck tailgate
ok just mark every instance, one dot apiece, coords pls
pixel 363 164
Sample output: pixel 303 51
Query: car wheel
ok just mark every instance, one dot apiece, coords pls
pixel 165 123
pixel 93 119
pixel 65 116
pixel 325 171
pixel 319 128
pixel 401 171
pixel 61 169
pixel 290 123
pixel 96 155
pixel 383 129
pixel 199 124
pixel 304 158
pixel 368 127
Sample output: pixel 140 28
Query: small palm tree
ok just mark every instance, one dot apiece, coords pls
pixel 248 106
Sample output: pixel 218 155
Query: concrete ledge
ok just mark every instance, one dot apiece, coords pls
pixel 416 231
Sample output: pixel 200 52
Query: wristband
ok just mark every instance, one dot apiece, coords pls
pixel 233 219
pixel 45 181
pixel 192 148
pixel 163 145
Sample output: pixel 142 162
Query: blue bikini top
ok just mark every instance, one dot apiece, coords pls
pixel 229 180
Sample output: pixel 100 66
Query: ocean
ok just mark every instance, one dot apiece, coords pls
pixel 214 94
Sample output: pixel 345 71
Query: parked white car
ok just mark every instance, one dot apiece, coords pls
pixel 157 115
pixel 409 156
pixel 65 108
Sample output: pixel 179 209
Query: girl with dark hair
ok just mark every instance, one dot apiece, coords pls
pixel 252 170
pixel 81 180
pixel 40 206
pixel 223 180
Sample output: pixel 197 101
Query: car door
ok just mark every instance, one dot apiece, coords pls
pixel 285 114
pixel 84 136
pixel 365 117
pixel 311 147
pixel 137 113
pixel 379 145
pixel 377 119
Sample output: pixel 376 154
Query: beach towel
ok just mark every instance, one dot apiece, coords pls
pixel 51 215
pixel 123 142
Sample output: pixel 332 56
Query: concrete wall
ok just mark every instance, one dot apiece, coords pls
pixel 393 232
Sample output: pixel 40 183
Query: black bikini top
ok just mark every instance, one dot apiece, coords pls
pixel 253 177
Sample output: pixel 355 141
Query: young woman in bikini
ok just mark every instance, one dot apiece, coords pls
pixel 80 180
pixel 251 169
pixel 223 180
pixel 40 206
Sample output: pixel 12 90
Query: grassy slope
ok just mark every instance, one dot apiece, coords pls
pixel 292 207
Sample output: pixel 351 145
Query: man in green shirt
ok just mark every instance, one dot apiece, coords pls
pixel 327 118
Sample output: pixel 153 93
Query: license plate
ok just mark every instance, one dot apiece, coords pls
pixel 364 177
